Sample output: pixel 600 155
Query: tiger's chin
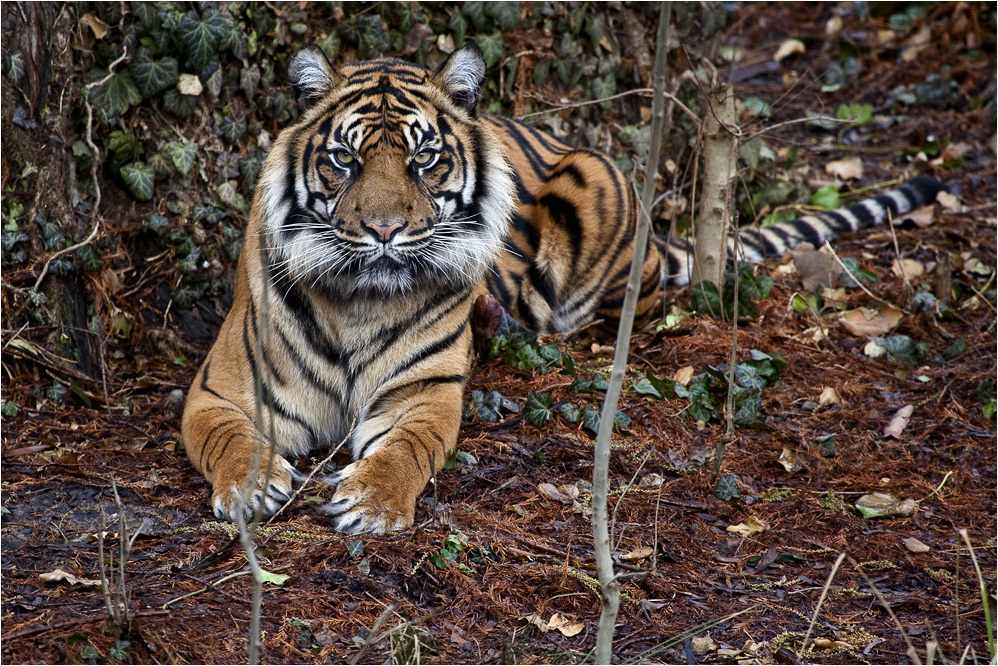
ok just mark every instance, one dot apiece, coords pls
pixel 387 278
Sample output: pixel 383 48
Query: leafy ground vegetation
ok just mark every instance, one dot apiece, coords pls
pixel 132 137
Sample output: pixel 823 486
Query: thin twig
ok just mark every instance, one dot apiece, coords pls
pixel 637 91
pixel 372 636
pixel 613 517
pixel 729 407
pixel 821 600
pixel 795 121
pixel 246 539
pixel 912 653
pixel 297 491
pixel 857 280
pixel 984 595
pixel 212 586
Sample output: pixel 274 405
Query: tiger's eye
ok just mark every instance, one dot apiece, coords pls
pixel 424 157
pixel 343 157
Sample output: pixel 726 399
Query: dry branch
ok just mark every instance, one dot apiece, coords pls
pixel 609 587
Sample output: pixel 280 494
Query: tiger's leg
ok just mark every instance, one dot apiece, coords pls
pixel 220 438
pixel 406 435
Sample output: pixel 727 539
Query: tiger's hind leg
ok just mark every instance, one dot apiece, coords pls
pixel 571 247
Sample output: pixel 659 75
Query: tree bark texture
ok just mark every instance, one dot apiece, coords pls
pixel 710 248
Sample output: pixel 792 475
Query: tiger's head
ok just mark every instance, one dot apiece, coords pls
pixel 387 182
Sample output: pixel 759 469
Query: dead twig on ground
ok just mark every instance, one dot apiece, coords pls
pixel 117 599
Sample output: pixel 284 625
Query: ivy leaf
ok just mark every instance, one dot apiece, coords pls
pixel 230 196
pixel 599 383
pixel 274 579
pixel 201 36
pixel 230 128
pixel 183 156
pixel 707 299
pixel 665 387
pixel 529 359
pixel 153 76
pixel 475 11
pixel 549 352
pixel 505 14
pixel 590 418
pixel 178 104
pixel 568 364
pixel 458 25
pixel 748 410
pixel 621 422
pixel 113 97
pixel 645 387
pixel 569 412
pixel 212 77
pixel 492 47
pixel 145 12
pixel 602 87
pixel 140 179
pixel 161 164
pixel 249 79
pixel 826 197
pixel 580 385
pixel 727 488
pixel 13 66
pixel 121 144
pixel 703 405
pixel 905 350
pixel 858 114
pixel 537 410
pixel 487 406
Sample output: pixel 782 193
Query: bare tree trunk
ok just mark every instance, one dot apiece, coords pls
pixel 711 248
pixel 609 587
pixel 41 33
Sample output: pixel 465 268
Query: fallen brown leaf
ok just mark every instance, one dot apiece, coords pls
pixel 899 422
pixel 848 168
pixel 908 268
pixel 751 526
pixel 915 546
pixel 637 554
pixel 864 322
pixel 789 48
pixel 59 576
pixel 551 492
pixel 815 267
pixel 829 396
pixel 99 27
pixel 684 375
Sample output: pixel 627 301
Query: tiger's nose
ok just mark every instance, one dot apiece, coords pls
pixel 383 231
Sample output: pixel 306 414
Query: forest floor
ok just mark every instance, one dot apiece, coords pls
pixel 499 567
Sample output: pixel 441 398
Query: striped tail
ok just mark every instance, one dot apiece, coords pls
pixel 759 244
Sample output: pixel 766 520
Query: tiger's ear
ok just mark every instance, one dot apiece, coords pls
pixel 461 76
pixel 310 75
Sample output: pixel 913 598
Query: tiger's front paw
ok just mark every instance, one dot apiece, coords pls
pixel 371 498
pixel 226 500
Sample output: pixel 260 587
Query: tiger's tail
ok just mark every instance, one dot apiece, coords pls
pixel 760 243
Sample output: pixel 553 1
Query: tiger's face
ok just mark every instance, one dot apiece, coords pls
pixel 387 182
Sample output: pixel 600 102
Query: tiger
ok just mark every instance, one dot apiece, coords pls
pixel 381 215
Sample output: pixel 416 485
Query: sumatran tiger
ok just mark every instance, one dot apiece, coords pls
pixel 380 216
